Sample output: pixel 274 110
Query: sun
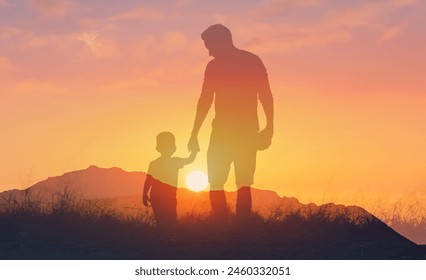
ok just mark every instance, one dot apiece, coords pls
pixel 197 180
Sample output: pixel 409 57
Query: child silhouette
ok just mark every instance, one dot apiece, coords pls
pixel 161 181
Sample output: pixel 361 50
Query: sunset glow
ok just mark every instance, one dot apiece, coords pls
pixel 93 82
pixel 197 181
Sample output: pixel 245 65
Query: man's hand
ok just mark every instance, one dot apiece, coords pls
pixel 264 138
pixel 193 145
pixel 146 200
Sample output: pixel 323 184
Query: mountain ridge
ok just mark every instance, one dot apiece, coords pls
pixel 115 184
pixel 122 191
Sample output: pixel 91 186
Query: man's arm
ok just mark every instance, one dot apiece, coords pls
pixel 204 103
pixel 267 101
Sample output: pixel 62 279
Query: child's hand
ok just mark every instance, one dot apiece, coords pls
pixel 146 200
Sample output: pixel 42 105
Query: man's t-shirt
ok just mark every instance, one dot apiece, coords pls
pixel 237 82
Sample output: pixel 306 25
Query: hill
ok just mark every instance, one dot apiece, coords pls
pixel 100 209
pixel 90 183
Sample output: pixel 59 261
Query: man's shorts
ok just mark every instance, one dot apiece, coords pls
pixel 226 147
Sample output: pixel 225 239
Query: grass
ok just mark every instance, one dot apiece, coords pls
pixel 70 227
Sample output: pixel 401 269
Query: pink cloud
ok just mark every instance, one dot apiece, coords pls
pixel 404 3
pixel 99 46
pixel 335 26
pixel 278 7
pixel 290 38
pixel 391 32
pixel 88 23
pixel 34 86
pixel 370 15
pixel 8 32
pixel 4 4
pixel 6 67
pixel 138 14
pixel 19 39
pixel 51 8
pixel 166 43
pixel 365 15
pixel 15 39
pixel 174 41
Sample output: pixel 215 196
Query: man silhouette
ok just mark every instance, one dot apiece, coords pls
pixel 235 80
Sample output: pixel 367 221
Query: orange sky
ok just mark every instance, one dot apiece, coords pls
pixel 93 83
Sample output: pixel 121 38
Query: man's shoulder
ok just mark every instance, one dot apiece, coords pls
pixel 252 61
pixel 212 67
pixel 211 64
pixel 248 55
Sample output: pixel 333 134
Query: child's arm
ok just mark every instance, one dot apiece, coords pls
pixel 146 200
pixel 189 159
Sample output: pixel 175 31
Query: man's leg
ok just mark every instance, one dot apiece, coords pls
pixel 218 165
pixel 219 205
pixel 245 166
pixel 244 202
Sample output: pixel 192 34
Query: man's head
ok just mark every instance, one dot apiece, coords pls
pixel 166 143
pixel 218 40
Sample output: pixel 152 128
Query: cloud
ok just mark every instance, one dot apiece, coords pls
pixel 8 32
pixel 370 15
pixel 51 8
pixel 264 35
pixel 99 46
pixel 37 87
pixel 391 32
pixel 33 86
pixel 6 67
pixel 95 45
pixel 220 17
pixel 131 85
pixel 173 41
pixel 159 59
pixel 355 17
pixel 88 23
pixel 4 4
pixel 167 43
pixel 327 27
pixel 403 3
pixel 278 7
pixel 288 38
pixel 140 13
pixel 19 39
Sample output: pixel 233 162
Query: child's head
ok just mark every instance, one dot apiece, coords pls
pixel 166 145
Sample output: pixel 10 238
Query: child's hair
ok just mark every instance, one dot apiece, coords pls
pixel 166 142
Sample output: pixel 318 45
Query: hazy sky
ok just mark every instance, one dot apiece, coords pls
pixel 93 82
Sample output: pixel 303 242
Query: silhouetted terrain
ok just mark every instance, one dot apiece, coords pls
pixel 71 235
pixel 66 217
pixel 91 183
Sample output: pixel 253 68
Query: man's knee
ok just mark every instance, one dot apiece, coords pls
pixel 216 187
